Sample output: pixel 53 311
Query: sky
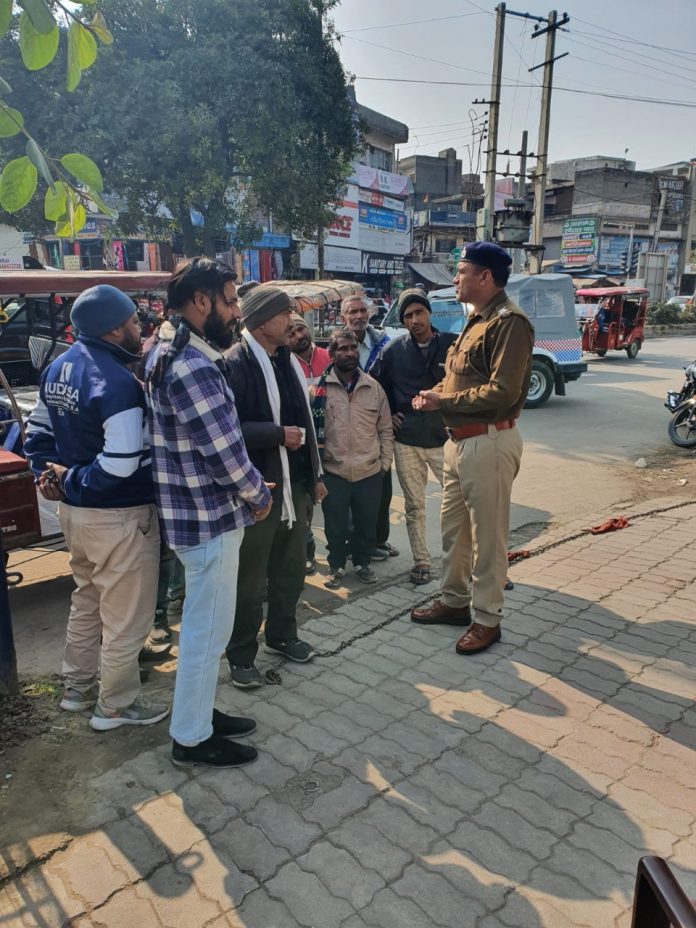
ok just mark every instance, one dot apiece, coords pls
pixel 631 48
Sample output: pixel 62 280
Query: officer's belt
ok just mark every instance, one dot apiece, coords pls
pixel 478 428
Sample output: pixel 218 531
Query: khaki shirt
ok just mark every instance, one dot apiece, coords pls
pixel 487 369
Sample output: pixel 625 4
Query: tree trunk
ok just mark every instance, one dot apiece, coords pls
pixel 190 249
pixel 320 253
pixel 9 685
pixel 209 238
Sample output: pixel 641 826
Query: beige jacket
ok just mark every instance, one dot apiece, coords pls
pixel 358 435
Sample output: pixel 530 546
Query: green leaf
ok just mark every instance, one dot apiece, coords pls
pixel 79 218
pixel 17 184
pixel 85 45
pixel 83 169
pixel 5 15
pixel 74 70
pixel 38 49
pixel 98 25
pixel 36 156
pixel 56 202
pixel 11 121
pixel 40 15
pixel 64 228
pixel 101 205
pixel 4 86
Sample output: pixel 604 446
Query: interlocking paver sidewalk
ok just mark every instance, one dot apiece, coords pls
pixel 402 785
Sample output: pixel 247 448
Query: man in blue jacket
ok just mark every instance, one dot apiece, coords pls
pixel 86 448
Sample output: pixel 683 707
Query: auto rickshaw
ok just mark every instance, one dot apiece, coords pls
pixel 618 320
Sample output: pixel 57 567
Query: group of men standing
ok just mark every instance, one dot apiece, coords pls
pixel 236 439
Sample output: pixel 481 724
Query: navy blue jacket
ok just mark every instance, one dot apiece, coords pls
pixel 89 418
pixel 403 369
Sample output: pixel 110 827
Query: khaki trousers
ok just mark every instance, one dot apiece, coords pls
pixel 475 519
pixel 114 556
pixel 412 470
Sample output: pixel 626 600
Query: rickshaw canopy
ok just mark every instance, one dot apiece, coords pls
pixel 315 294
pixel 71 283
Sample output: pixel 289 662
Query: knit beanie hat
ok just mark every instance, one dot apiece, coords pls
pixel 263 303
pixel 412 295
pixel 298 319
pixel 100 309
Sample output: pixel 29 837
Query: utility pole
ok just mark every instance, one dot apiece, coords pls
pixel 485 229
pixel 521 194
pixel 553 24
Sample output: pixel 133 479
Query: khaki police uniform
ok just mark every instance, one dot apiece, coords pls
pixel 486 380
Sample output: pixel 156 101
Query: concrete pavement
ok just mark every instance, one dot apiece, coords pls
pixel 402 785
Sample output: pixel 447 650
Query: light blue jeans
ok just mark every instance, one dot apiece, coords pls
pixel 206 625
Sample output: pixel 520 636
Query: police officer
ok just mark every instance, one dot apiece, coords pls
pixel 485 385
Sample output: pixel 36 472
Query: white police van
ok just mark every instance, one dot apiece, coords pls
pixel 549 302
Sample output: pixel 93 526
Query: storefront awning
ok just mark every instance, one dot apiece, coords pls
pixel 433 273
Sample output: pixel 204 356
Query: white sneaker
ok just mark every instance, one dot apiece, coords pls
pixel 78 700
pixel 140 712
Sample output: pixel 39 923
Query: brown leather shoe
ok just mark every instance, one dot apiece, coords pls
pixel 478 638
pixel 438 613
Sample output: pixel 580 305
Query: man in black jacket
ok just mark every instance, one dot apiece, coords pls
pixel 408 364
pixel 273 406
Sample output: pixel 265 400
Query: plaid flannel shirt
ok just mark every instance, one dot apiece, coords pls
pixel 205 483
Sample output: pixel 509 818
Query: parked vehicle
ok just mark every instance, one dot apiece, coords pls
pixel 549 302
pixel 617 322
pixel 35 316
pixel 682 405
pixel 681 302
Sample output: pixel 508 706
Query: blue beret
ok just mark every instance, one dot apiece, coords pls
pixel 100 309
pixel 487 254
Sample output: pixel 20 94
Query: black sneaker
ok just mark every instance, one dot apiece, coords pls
pixel 379 554
pixel 366 574
pixel 215 752
pixel 310 567
pixel 245 677
pixel 231 726
pixel 294 650
pixel 153 652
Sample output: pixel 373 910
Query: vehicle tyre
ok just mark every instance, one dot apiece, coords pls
pixel 633 349
pixel 600 352
pixel 540 385
pixel 681 431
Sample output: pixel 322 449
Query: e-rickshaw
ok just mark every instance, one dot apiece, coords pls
pixel 618 320
pixel 34 329
pixel 319 301
pixel 35 314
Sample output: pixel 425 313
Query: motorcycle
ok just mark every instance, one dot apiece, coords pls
pixel 682 405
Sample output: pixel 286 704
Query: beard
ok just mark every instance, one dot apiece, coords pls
pixel 221 333
pixel 132 345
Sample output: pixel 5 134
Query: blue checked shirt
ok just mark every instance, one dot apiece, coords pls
pixel 205 483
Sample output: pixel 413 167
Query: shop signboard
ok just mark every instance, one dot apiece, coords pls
pixel 382 265
pixel 579 241
pixel 383 181
pixel 379 199
pixel 343 229
pixel 384 231
pixel 339 260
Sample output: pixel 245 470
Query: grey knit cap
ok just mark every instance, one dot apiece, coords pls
pixel 263 303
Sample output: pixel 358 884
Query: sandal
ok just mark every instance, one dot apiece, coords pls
pixel 420 574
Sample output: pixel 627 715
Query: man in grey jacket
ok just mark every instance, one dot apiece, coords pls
pixel 352 416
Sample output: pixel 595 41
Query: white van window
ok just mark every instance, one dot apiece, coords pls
pixel 543 304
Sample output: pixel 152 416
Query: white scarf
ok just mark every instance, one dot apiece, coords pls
pixel 261 355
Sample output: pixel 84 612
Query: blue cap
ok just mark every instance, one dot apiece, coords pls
pixel 489 255
pixel 100 309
